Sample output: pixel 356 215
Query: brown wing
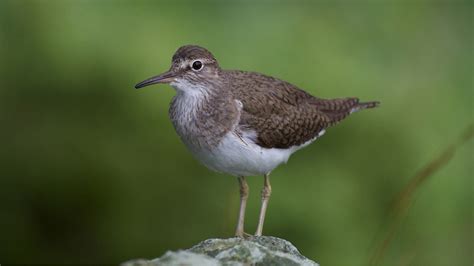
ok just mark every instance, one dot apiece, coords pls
pixel 283 115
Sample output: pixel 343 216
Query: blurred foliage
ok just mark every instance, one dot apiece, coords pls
pixel 91 170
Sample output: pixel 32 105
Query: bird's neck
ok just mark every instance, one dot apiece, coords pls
pixel 191 108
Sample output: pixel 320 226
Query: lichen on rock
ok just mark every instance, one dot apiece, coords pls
pixel 263 250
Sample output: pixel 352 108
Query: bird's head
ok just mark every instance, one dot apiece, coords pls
pixel 192 67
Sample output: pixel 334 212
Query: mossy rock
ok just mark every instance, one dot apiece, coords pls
pixel 264 250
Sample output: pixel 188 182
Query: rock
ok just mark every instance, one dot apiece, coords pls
pixel 264 250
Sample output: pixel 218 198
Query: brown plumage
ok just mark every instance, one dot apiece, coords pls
pixel 282 114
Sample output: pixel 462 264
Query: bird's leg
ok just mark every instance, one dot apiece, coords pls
pixel 244 194
pixel 266 192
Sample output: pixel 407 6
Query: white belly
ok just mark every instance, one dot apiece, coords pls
pixel 242 157
pixel 238 156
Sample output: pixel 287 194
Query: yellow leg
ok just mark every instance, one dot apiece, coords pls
pixel 244 194
pixel 266 192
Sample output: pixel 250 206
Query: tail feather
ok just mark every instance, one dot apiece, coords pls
pixel 336 110
pixel 365 105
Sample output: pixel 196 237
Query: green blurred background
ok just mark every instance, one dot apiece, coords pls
pixel 91 170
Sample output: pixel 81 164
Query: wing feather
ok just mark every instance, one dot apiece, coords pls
pixel 281 114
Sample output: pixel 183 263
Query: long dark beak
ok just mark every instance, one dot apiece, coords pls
pixel 166 77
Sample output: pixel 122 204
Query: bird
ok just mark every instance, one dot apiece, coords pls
pixel 244 123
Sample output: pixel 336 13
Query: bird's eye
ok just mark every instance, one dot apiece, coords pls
pixel 197 65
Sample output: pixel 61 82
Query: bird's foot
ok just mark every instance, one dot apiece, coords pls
pixel 243 235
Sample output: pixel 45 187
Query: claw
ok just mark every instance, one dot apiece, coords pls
pixel 244 235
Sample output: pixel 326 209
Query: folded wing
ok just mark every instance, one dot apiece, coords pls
pixel 282 116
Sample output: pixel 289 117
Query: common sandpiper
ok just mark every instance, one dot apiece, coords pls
pixel 244 123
